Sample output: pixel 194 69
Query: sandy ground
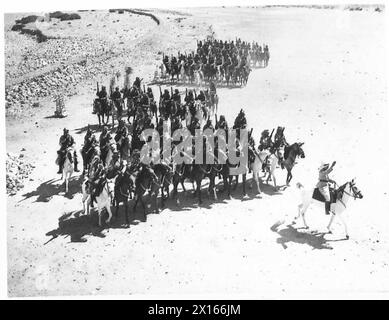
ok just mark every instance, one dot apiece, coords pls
pixel 325 83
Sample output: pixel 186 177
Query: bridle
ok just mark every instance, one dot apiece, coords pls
pixel 355 194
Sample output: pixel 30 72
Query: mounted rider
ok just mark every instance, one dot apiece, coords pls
pixel 121 134
pixel 212 88
pixel 201 96
pixel 137 84
pixel 116 97
pixel 265 142
pixel 166 95
pixel 279 138
pixel 66 141
pixel 176 96
pixel 97 180
pixel 323 184
pixel 105 139
pixel 102 95
pixel 189 98
pixel 150 94
pixel 90 142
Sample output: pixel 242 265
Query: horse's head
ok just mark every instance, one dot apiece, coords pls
pixel 300 151
pixel 356 193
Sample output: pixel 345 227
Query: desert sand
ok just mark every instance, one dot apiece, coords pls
pixel 325 83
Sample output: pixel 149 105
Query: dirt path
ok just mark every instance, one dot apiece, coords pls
pixel 324 84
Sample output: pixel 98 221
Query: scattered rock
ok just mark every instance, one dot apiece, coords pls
pixel 17 169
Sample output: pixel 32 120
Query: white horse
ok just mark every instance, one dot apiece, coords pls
pixel 68 169
pixel 344 194
pixel 182 72
pixel 271 164
pixel 162 69
pixel 199 77
pixel 103 201
pixel 256 167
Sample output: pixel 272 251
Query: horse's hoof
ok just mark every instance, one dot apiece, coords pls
pixel 347 237
pixel 329 231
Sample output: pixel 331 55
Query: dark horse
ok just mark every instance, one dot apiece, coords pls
pixel 124 186
pixel 101 108
pixel 164 174
pixel 290 154
pixel 146 180
pixel 88 152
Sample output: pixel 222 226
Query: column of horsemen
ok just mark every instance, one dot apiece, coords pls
pixel 115 155
pixel 226 62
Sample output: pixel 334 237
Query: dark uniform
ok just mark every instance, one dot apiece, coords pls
pixel 117 97
pixel 137 84
pixel 105 138
pixel 176 96
pixel 66 141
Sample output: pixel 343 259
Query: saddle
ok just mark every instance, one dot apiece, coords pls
pixel 319 197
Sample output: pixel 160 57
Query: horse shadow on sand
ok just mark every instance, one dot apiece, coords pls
pixel 46 190
pixel 289 233
pixel 77 225
pixel 93 127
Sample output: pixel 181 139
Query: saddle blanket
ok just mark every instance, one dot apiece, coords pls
pixel 319 197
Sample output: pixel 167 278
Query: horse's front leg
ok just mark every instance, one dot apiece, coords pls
pixel 288 177
pixel 127 214
pixel 144 209
pixel 229 186
pixel 198 191
pixel 256 178
pixel 345 225
pixel 108 207
pixel 330 222
pixel 236 182
pixel 100 213
pixel 116 207
pixel 155 195
pixel 244 185
pixel 136 202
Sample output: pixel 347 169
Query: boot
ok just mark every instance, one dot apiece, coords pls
pixel 327 207
pixel 60 169
pixel 76 163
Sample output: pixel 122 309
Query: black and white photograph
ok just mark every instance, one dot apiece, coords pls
pixel 196 149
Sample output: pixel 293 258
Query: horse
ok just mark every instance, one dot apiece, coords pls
pixel 146 180
pixel 101 108
pixel 343 194
pixel 110 152
pixel 88 155
pixel 290 154
pixel 124 186
pixel 103 200
pixel 123 146
pixel 164 174
pixel 163 71
pixel 68 168
pixel 199 77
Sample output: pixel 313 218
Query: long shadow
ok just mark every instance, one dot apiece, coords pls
pixel 77 225
pixel 54 117
pixel 93 127
pixel 291 234
pixel 50 188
